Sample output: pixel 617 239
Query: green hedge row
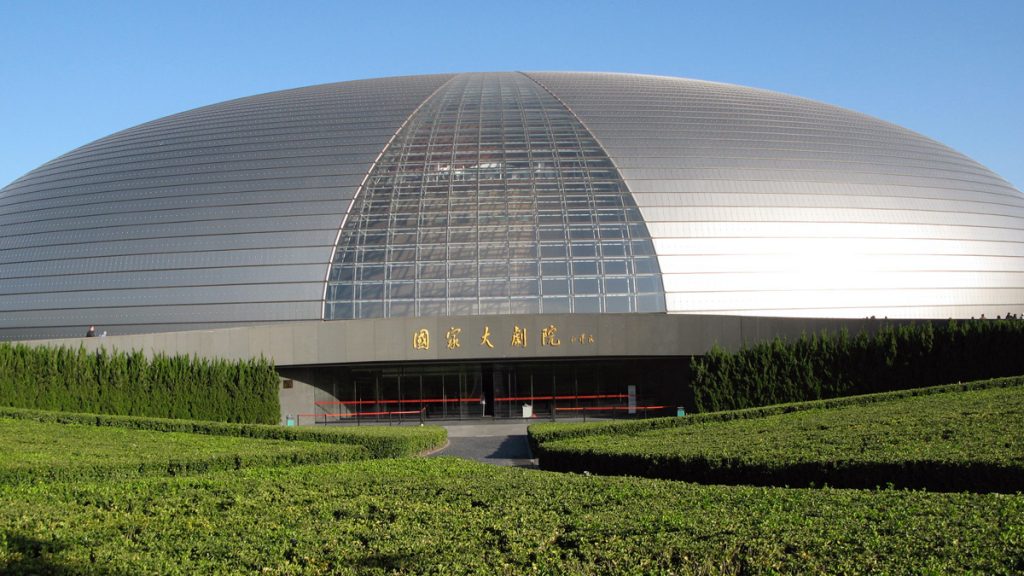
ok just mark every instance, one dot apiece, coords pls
pixel 453 516
pixel 829 365
pixel 958 441
pixel 541 433
pixel 116 382
pixel 181 465
pixel 380 441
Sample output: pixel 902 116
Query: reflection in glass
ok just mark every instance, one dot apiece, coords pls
pixel 493 199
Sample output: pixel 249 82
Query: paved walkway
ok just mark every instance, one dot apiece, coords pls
pixel 502 444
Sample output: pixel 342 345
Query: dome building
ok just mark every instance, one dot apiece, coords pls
pixel 494 229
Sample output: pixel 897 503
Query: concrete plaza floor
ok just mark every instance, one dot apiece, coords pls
pixel 502 443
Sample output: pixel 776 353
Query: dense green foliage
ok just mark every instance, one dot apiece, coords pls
pixel 116 382
pixel 968 440
pixel 379 441
pixel 447 516
pixel 895 357
pixel 549 431
pixel 46 451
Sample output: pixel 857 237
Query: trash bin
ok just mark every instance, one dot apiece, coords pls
pixel 680 411
pixel 289 421
pixel 527 410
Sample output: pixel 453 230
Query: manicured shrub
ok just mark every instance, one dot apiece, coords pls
pixel 551 431
pixel 131 384
pixel 955 438
pixel 379 441
pixel 51 451
pixel 452 516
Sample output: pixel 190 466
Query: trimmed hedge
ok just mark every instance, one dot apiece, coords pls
pixel 48 451
pixel 131 384
pixel 958 441
pixel 452 516
pixel 544 432
pixel 380 441
pixel 895 357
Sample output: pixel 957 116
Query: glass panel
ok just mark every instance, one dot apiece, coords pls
pixel 428 271
pixel 526 306
pixel 432 307
pixel 523 288
pixel 371 291
pixel 463 307
pixel 555 287
pixel 586 286
pixel 494 306
pixel 647 284
pixel 584 268
pixel 617 304
pixel 462 270
pixel 554 268
pixel 489 175
pixel 462 289
pixel 402 307
pixel 401 290
pixel 430 289
pixel 522 269
pixel 555 305
pixel 616 285
pixel 493 288
pixel 586 304
pixel 650 303
pixel 402 271
pixel 615 267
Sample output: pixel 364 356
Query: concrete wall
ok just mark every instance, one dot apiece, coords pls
pixel 299 396
pixel 298 348
pixel 456 338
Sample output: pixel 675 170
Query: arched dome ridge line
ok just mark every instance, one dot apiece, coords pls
pixel 592 134
pixel 582 123
pixel 362 185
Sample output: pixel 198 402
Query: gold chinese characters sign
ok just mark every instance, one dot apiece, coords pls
pixel 519 338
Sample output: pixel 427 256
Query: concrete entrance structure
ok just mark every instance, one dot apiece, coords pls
pixel 311 356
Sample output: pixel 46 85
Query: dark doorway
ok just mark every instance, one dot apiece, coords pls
pixel 549 389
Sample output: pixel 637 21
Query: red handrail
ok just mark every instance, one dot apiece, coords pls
pixel 573 397
pixel 404 401
pixel 355 414
pixel 595 408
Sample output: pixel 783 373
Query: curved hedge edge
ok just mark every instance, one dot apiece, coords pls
pixel 935 476
pixel 380 441
pixel 328 454
pixel 538 434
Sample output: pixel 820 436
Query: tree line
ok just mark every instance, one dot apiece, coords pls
pixel 116 382
pixel 828 365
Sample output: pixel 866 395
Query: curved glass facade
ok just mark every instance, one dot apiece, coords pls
pixel 493 199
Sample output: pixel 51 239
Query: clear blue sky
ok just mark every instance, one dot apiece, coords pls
pixel 76 71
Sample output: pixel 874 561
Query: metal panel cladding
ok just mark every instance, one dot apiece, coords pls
pixel 752 203
pixel 766 204
pixel 221 215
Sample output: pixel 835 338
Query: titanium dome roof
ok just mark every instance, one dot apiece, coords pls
pixel 505 193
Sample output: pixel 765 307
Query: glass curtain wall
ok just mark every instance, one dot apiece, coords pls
pixel 493 199
pixel 529 389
